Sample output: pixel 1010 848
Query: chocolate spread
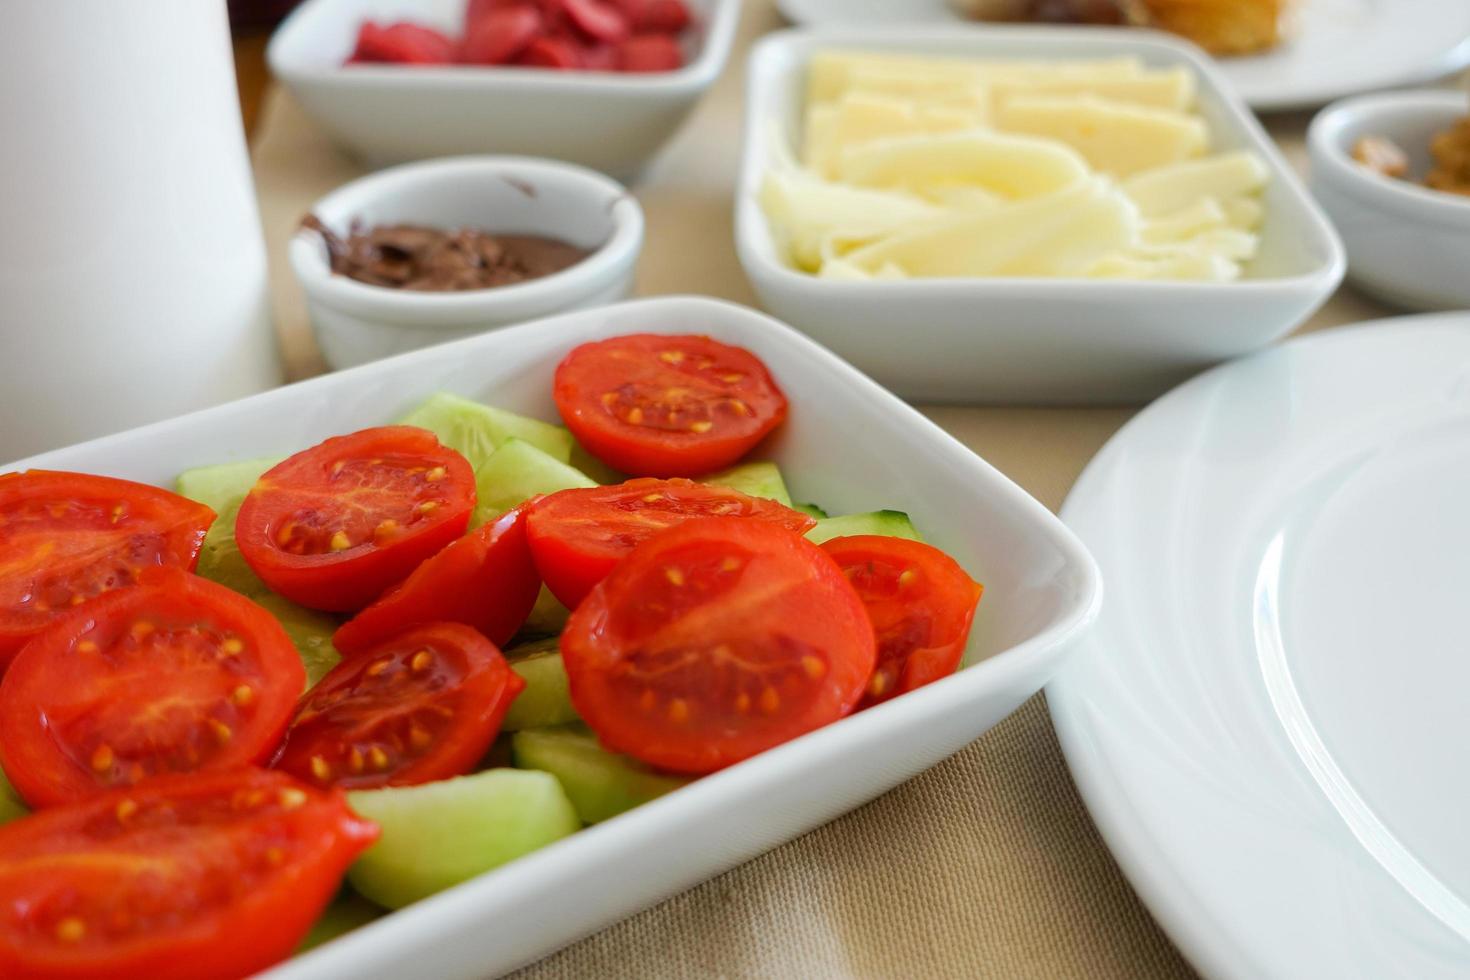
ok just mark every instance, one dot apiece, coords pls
pixel 432 259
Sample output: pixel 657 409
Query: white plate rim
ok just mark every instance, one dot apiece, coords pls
pixel 1181 906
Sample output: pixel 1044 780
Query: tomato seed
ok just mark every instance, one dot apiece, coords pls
pixel 354 761
pixel 103 758
pixel 320 769
pixel 674 575
pixel 678 711
pixel 378 758
pixel 87 646
pixel 71 929
pixel 770 701
pixel 671 356
pixel 635 416
pixel 243 695
pixel 126 809
pixel 291 798
pixel 222 732
pixel 813 666
pixel 421 661
pixel 233 645
pixel 742 702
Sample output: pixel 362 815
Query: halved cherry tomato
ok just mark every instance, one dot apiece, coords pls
pixel 551 52
pixel 209 875
pixel 577 536
pixel 921 603
pixel 67 537
pixel 500 35
pixel 423 706
pixel 662 17
pixel 655 405
pixel 336 525
pixel 176 674
pixel 401 43
pixel 485 580
pixel 650 52
pixel 715 640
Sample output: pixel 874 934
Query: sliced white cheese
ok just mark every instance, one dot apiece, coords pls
pixel 1117 138
pixel 1201 266
pixel 1171 188
pixel 1058 235
pixel 1245 213
pixel 1200 216
pixel 1005 164
pixel 809 209
pixel 1170 88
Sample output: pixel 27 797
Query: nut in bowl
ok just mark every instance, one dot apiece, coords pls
pixel 429 233
pixel 599 115
pixel 1028 254
pixel 1406 242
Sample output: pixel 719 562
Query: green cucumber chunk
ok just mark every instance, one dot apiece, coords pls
pixel 12 807
pixel 811 510
pixel 548 616
pixel 595 468
pixel 600 784
pixel 439 834
pixel 347 912
pixel 753 479
pixel 223 488
pixel 517 472
pixel 477 431
pixel 546 699
pixel 889 523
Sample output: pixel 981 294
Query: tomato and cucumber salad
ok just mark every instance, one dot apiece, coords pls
pixel 469 581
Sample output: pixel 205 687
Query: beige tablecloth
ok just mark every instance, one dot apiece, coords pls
pixel 987 865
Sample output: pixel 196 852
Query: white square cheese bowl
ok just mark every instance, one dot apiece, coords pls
pixel 1034 340
pixel 384 114
pixel 848 444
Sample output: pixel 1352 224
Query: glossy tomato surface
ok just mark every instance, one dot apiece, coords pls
pixel 423 706
pixel 715 640
pixel 336 525
pixel 921 603
pixel 485 580
pixel 654 405
pixel 68 537
pixel 578 536
pixel 176 674
pixel 210 875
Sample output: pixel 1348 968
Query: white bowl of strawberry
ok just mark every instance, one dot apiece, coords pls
pixel 603 83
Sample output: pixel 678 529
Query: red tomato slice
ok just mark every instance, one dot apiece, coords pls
pixel 499 36
pixel 402 43
pixel 662 17
pixel 67 537
pixel 423 706
pixel 551 52
pixel 207 875
pixel 650 52
pixel 921 603
pixel 597 20
pixel 715 640
pixel 485 580
pixel 577 536
pixel 176 674
pixel 337 524
pixel 654 405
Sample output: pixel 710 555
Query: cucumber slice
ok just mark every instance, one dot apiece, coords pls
pixel 310 631
pixel 594 467
pixel 889 523
pixel 545 700
pixel 756 479
pixel 517 472
pixel 347 911
pixel 477 431
pixel 548 616
pixel 223 488
pixel 11 805
pixel 811 509
pixel 439 834
pixel 600 784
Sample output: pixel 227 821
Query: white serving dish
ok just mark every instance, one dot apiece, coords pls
pixel 1268 723
pixel 1335 48
pixel 1035 340
pixel 1405 243
pixel 384 114
pixel 356 322
pixel 849 444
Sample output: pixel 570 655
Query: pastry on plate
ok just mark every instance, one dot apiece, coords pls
pixel 1222 27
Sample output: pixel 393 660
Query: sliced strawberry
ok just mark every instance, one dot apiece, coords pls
pixel 550 52
pixel 498 36
pixel 650 52
pixel 597 20
pixel 599 57
pixel 661 17
pixel 402 43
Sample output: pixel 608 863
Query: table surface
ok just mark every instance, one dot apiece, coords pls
pixel 985 865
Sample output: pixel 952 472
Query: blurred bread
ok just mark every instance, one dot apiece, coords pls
pixel 1221 26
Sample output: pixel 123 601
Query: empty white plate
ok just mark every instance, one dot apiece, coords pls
pixel 1336 48
pixel 1270 723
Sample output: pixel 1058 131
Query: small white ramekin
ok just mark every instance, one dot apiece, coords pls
pixel 1406 243
pixel 355 322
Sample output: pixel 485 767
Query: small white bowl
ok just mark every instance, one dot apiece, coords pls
pixel 1406 243
pixel 385 114
pixel 1045 341
pixel 356 322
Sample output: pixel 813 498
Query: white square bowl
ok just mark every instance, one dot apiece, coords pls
pixel 848 444
pixel 609 121
pixel 1042 341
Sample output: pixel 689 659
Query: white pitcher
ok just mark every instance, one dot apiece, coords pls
pixel 132 266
